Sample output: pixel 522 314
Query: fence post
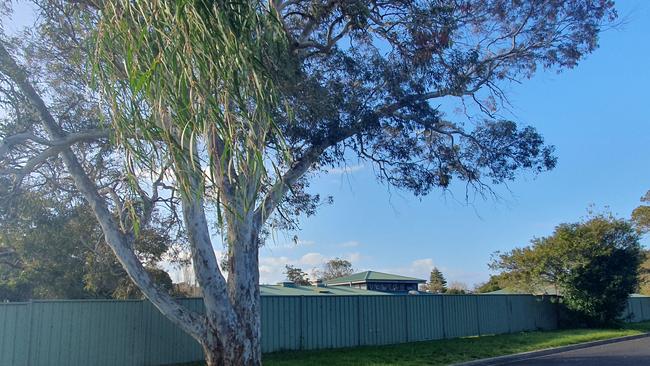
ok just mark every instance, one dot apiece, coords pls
pixel 30 313
pixel 509 315
pixel 406 318
pixel 641 306
pixel 478 316
pixel 444 316
pixel 302 334
pixel 358 298
pixel 144 332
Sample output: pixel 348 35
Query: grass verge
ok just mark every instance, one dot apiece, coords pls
pixel 449 351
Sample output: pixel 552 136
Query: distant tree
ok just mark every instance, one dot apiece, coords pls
pixel 437 283
pixel 493 284
pixel 644 274
pixel 335 268
pixel 594 265
pixel 457 288
pixel 641 215
pixel 296 275
pixel 641 219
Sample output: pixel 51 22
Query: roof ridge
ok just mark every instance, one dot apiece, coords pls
pixel 367 275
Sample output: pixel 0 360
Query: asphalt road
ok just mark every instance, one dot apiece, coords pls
pixel 629 353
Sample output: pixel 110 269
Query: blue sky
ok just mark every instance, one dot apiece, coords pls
pixel 596 117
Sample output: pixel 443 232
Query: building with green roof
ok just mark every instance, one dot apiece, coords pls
pixel 377 281
pixel 291 289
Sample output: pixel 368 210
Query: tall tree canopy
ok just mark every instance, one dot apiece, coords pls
pixel 221 111
pixel 593 264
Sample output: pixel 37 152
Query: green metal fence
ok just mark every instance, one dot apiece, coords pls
pixel 106 332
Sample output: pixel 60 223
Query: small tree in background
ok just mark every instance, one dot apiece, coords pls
pixel 593 264
pixel 335 268
pixel 641 215
pixel 457 288
pixel 437 283
pixel 296 275
pixel 644 274
pixel 493 284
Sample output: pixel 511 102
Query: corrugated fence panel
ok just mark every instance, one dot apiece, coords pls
pixel 86 332
pixel 165 342
pixel 645 307
pixel 522 313
pixel 382 320
pixel 281 326
pixel 545 313
pixel 493 314
pixel 461 315
pixel 636 309
pixel 14 334
pixel 425 319
pixel 330 322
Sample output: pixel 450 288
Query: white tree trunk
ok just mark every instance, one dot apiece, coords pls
pixel 230 331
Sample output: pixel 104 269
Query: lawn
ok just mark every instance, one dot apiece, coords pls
pixel 448 351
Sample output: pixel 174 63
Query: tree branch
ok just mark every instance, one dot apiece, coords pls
pixel 20 138
pixel 56 147
pixel 189 321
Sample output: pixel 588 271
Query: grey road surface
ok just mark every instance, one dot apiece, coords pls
pixel 629 353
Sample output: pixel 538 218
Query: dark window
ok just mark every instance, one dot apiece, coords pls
pixel 392 286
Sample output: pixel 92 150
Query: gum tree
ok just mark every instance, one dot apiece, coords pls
pixel 235 105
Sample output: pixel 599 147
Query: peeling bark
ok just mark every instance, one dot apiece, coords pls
pixel 243 285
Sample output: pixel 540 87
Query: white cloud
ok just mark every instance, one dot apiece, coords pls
pixel 275 261
pixel 425 263
pixel 306 243
pixel 272 268
pixel 353 257
pixel 349 244
pixel 312 259
pixel 419 268
pixel 345 169
pixel 288 245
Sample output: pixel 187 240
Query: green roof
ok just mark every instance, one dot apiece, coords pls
pixel 506 291
pixel 503 291
pixel 372 276
pixel 295 290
